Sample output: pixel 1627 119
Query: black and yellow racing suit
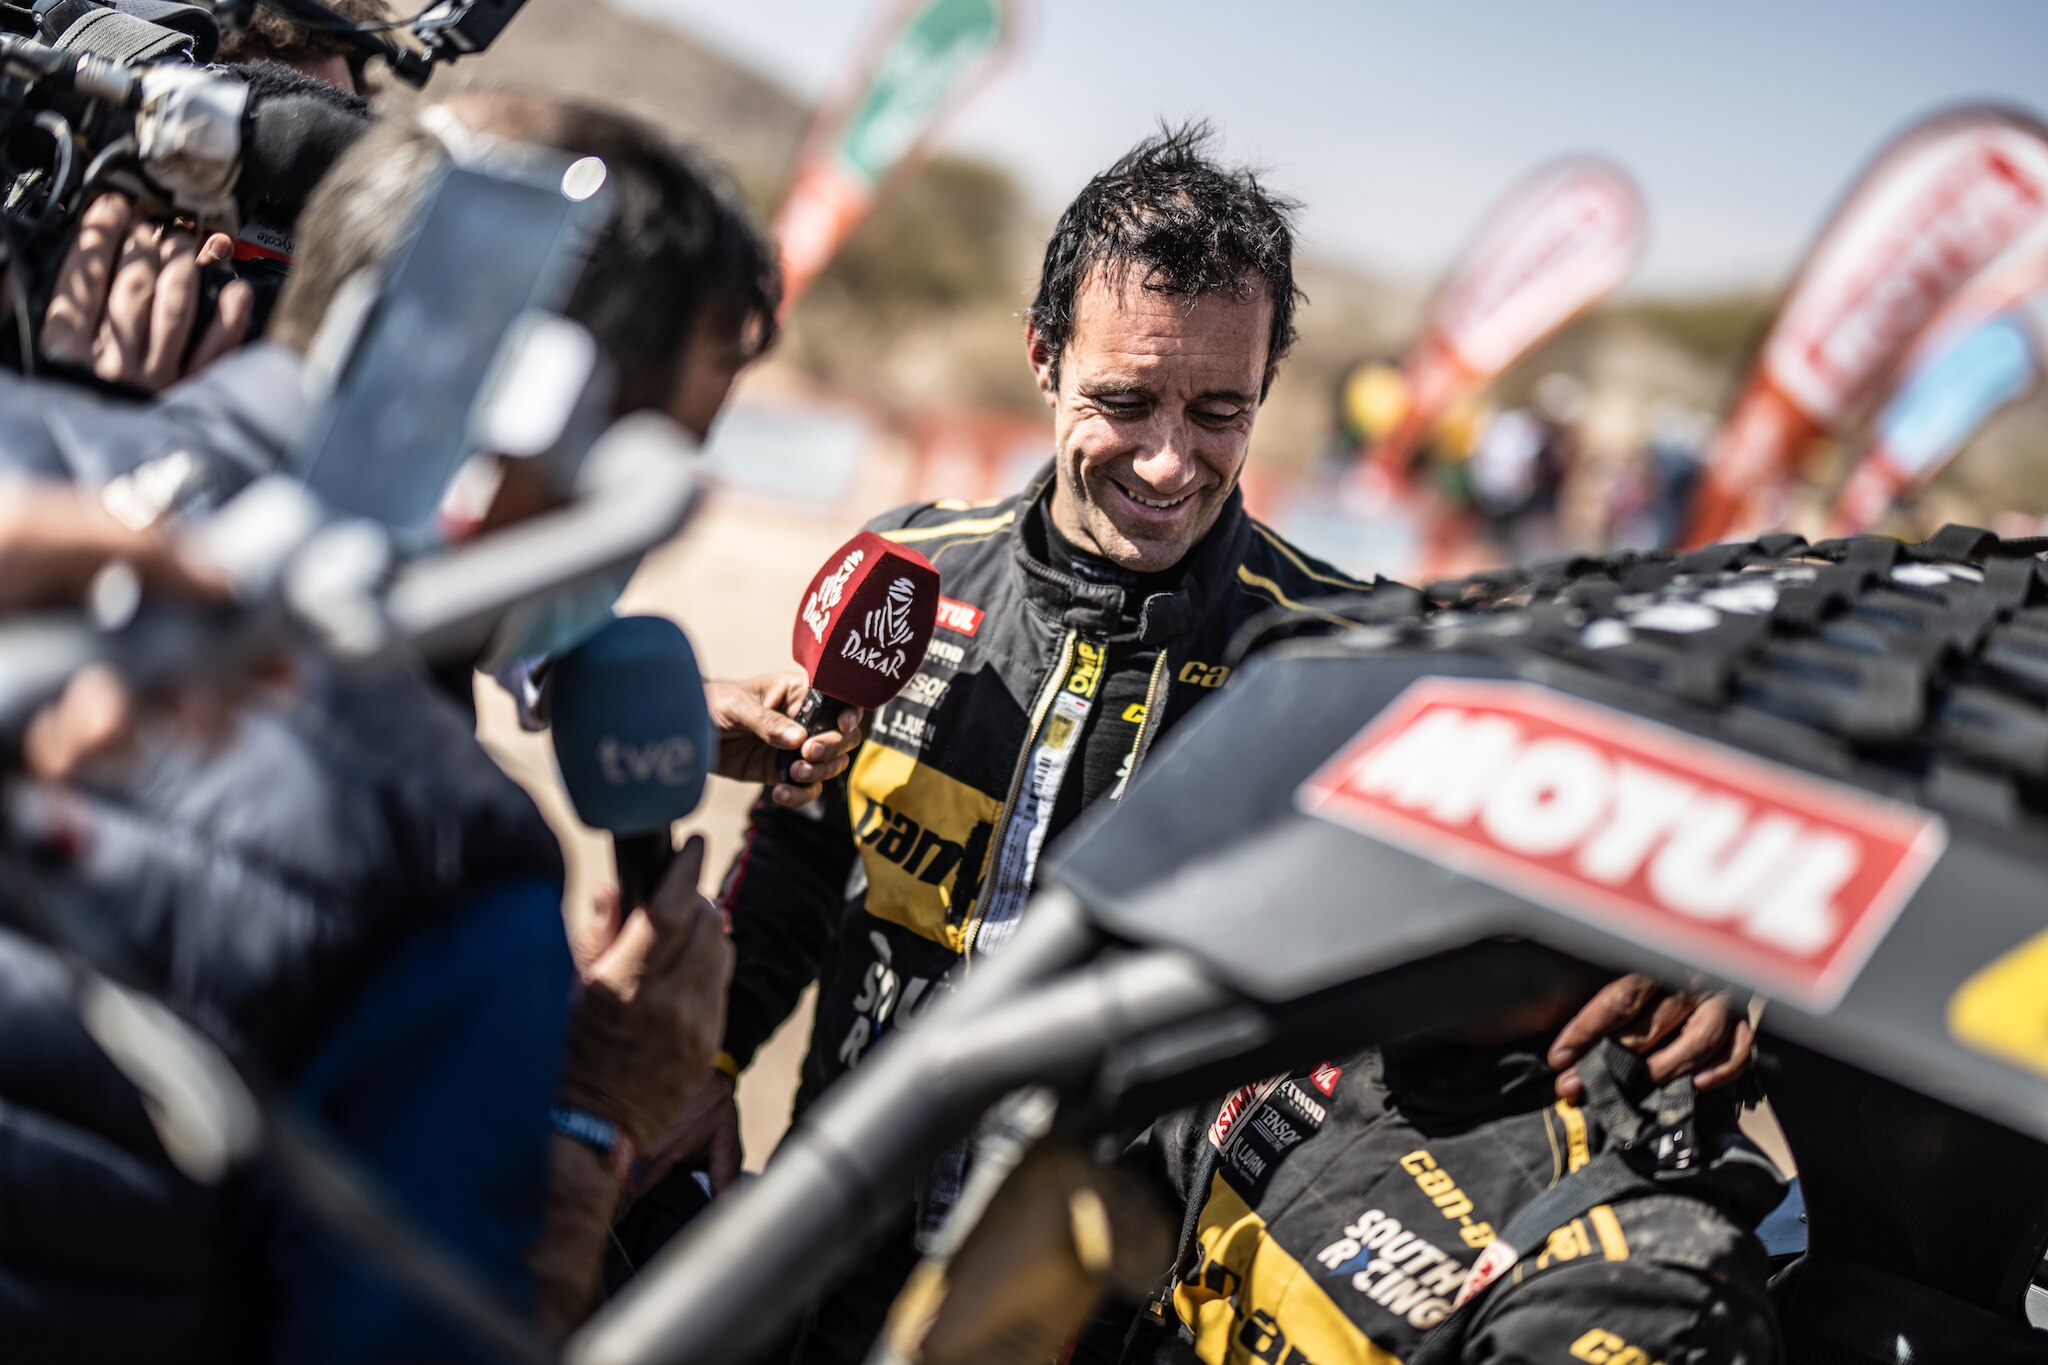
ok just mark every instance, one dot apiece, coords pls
pixel 924 854
pixel 1345 1205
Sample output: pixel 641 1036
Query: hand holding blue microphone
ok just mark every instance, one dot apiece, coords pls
pixel 634 741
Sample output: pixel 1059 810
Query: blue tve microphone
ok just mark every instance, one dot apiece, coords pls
pixel 633 740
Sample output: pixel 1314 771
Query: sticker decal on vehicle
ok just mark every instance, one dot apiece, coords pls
pixel 2001 1009
pixel 1781 879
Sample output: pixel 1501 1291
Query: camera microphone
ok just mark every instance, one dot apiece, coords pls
pixel 295 129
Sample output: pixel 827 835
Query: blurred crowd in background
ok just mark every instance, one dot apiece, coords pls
pixel 903 349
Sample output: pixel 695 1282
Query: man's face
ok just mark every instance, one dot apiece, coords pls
pixel 1152 416
pixel 715 353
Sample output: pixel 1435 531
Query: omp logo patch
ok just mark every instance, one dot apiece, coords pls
pixel 959 616
pixel 1087 670
pixel 922 837
pixel 1782 880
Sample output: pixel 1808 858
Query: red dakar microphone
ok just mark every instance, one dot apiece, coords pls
pixel 862 629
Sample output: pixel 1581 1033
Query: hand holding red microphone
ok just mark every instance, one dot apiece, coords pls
pixel 861 630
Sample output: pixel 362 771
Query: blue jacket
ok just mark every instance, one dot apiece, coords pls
pixel 199 443
pixel 349 896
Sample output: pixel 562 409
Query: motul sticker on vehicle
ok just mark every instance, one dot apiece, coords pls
pixel 1773 877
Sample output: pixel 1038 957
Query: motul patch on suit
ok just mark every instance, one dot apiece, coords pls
pixel 1337 1227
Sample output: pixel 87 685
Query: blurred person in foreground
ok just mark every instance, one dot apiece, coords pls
pixel 1082 618
pixel 680 314
pixel 346 890
pixel 373 925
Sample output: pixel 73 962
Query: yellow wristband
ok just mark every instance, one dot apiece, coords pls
pixel 726 1066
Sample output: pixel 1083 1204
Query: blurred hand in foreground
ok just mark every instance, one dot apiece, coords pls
pixel 54 542
pixel 652 1008
pixel 129 298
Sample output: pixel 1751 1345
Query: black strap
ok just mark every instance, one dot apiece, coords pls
pixel 1653 1150
pixel 1606 1179
pixel 1617 1084
pixel 1142 1341
pixel 124 40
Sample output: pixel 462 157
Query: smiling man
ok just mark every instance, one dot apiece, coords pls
pixel 1080 620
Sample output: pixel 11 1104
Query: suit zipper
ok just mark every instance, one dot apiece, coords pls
pixel 1056 680
pixel 1145 725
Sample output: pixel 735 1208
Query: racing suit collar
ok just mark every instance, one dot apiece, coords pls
pixel 1099 610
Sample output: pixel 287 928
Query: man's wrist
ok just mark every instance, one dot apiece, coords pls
pixel 608 1139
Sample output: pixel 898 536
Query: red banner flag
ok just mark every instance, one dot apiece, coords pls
pixel 932 55
pixel 1560 241
pixel 1942 201
pixel 1985 349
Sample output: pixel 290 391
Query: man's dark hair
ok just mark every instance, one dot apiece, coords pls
pixel 1168 214
pixel 680 248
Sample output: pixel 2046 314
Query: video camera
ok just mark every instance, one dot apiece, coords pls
pixel 115 95
pixel 444 31
pixel 345 545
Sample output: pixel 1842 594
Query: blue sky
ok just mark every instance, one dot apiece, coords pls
pixel 1399 124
